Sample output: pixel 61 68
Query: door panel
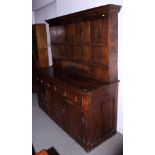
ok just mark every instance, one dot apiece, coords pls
pixel 43 98
pixel 58 109
pixel 102 120
pixel 73 119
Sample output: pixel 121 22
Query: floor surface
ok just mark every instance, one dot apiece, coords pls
pixel 46 133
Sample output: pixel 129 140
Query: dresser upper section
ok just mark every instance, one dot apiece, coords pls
pixel 86 42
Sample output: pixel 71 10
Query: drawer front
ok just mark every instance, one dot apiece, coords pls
pixel 40 80
pixel 53 86
pixel 72 95
pixel 48 84
pixel 43 82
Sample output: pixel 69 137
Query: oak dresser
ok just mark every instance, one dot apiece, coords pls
pixel 79 91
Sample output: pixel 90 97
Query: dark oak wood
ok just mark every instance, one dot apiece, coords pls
pixel 85 108
pixel 35 67
pixel 39 44
pixel 82 40
pixel 79 92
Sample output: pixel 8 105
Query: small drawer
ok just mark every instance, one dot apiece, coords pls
pixel 72 95
pixel 37 79
pixel 43 82
pixel 53 86
pixel 40 80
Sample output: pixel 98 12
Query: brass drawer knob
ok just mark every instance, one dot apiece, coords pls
pixel 76 98
pixel 55 88
pixel 65 93
pixel 85 89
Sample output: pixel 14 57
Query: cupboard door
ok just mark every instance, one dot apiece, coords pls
pixel 52 100
pixel 102 120
pixel 43 97
pixel 73 119
pixel 55 105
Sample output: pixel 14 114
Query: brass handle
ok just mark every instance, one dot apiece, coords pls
pixel 76 98
pixel 65 93
pixel 48 85
pixel 84 89
pixel 55 88
pixel 41 81
pixel 37 78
